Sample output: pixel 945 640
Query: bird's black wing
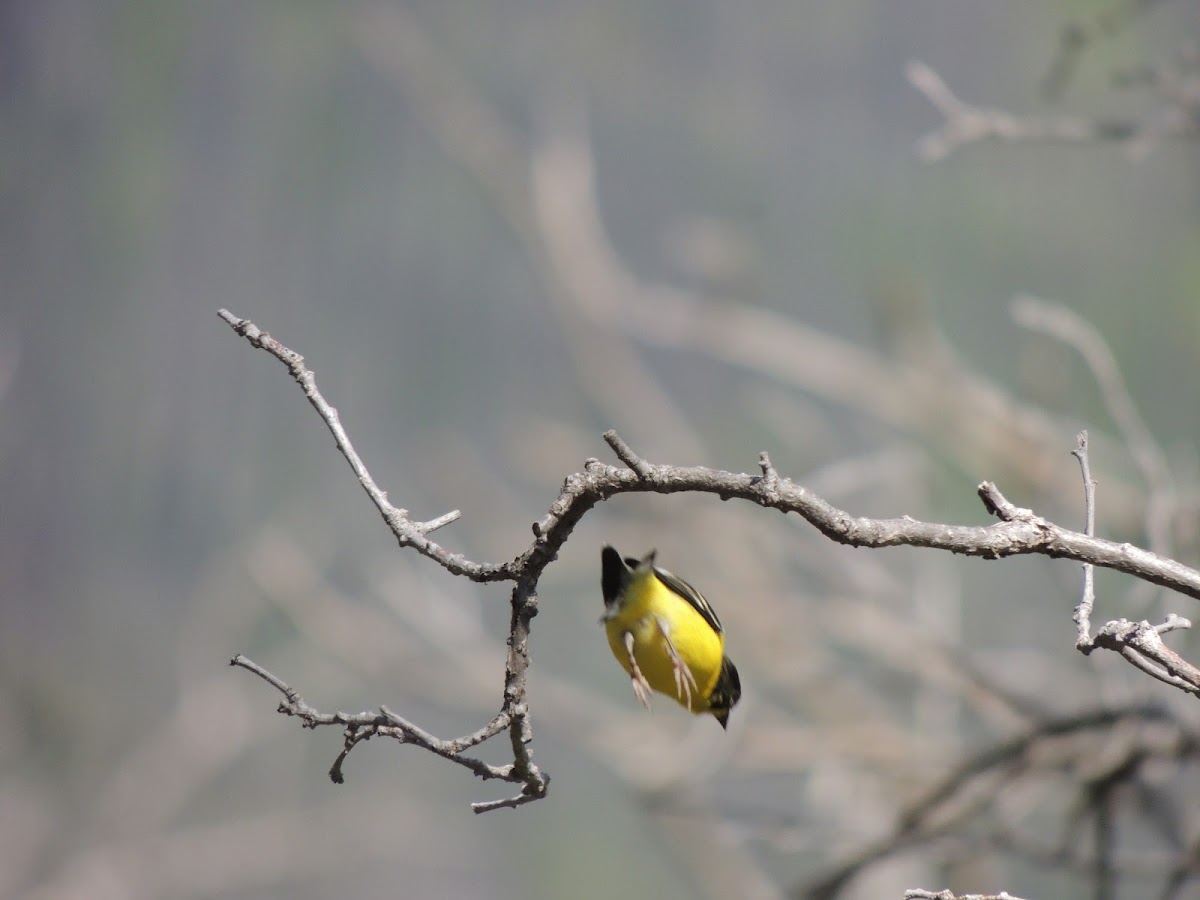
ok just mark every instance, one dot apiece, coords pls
pixel 691 595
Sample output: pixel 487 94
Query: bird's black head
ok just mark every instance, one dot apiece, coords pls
pixel 726 693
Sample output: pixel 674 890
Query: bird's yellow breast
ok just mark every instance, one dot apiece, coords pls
pixel 646 603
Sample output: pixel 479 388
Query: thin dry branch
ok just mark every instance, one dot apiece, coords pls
pixel 514 714
pixel 1018 532
pixel 1140 643
pixel 385 723
pixel 407 531
pixel 1087 600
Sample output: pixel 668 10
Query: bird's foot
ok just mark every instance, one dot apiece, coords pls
pixel 685 681
pixel 641 687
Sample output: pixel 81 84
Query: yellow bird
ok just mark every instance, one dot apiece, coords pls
pixel 666 637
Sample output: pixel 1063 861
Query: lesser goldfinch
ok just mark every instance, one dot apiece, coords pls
pixel 666 636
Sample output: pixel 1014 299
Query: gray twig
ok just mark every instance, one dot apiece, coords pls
pixel 1087 599
pixel 1140 643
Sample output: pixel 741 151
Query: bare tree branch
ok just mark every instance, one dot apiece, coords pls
pixel 514 713
pixel 1141 644
pixel 967 124
pixel 407 531
pixel 1138 642
pixel 1018 532
pixel 1087 600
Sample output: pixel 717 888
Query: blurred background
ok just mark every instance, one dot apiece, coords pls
pixel 495 231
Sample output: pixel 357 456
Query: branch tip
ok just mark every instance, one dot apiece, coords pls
pixel 770 479
pixel 989 494
pixel 440 522
pixel 625 453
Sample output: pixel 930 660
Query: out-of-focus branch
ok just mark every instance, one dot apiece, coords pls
pixel 546 192
pixel 477 138
pixel 1040 754
pixel 1065 325
pixel 967 124
pixel 288 847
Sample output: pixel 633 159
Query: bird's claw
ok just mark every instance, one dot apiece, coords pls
pixel 685 681
pixel 641 687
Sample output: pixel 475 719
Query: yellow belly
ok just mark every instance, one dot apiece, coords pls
pixel 649 609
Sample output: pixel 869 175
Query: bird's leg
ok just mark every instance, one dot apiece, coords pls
pixel 641 687
pixel 685 681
